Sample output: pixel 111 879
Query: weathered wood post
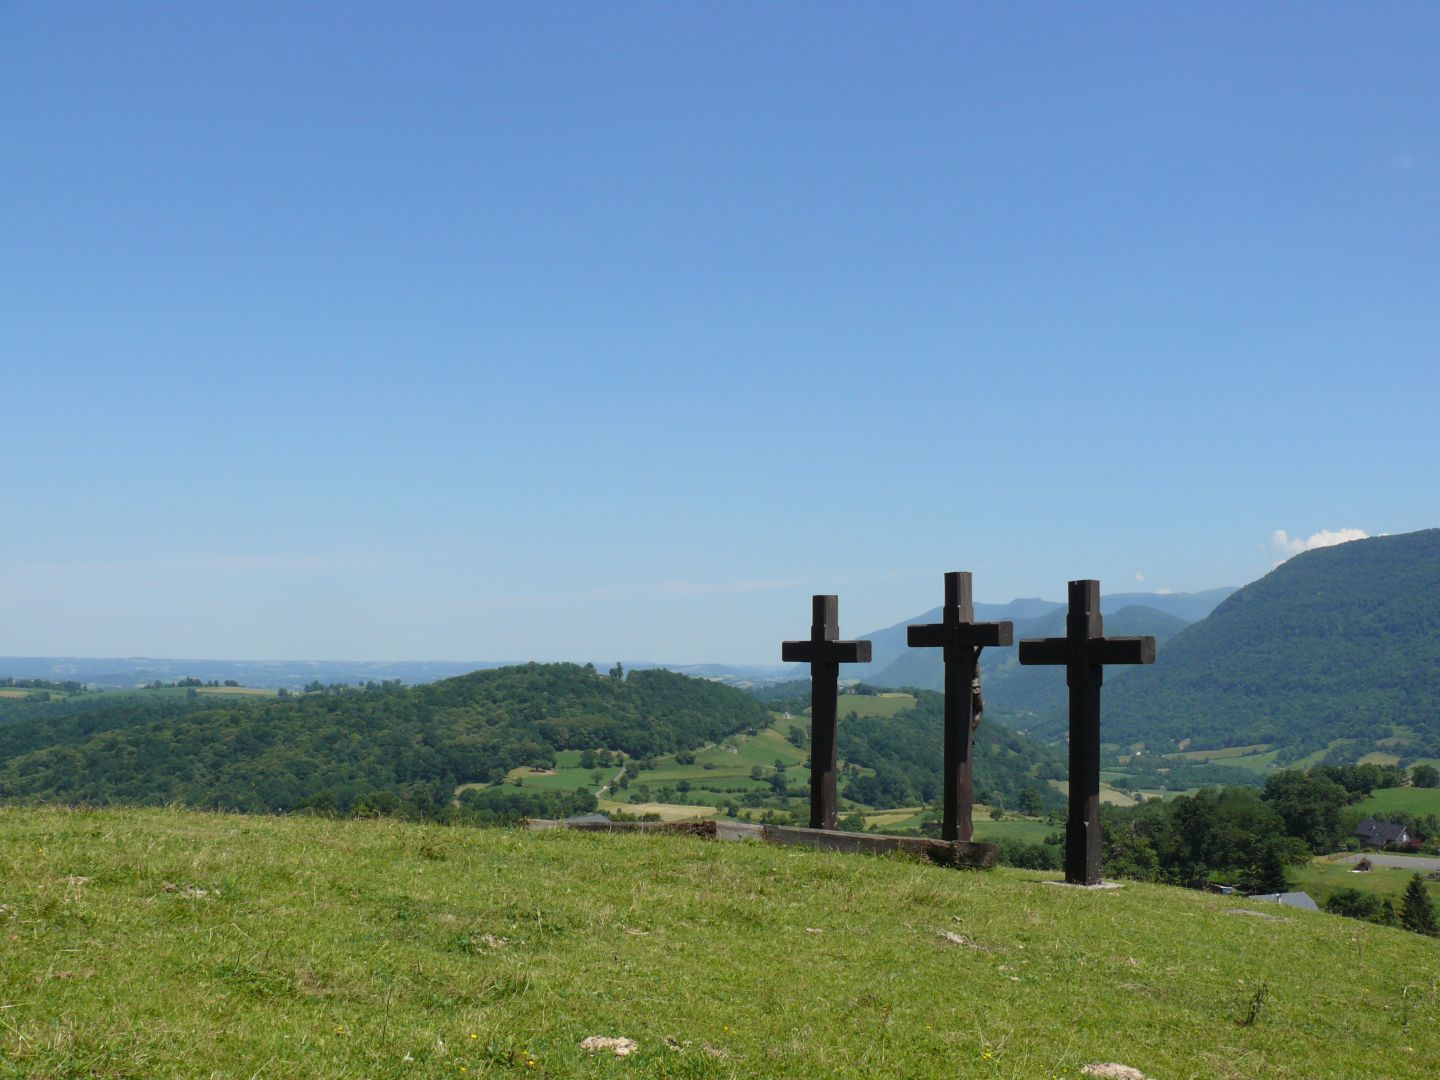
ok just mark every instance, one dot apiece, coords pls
pixel 961 638
pixel 824 653
pixel 1084 650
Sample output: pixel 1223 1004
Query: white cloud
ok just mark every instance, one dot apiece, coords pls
pixel 1286 545
pixel 1139 577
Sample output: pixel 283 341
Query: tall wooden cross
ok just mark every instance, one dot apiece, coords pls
pixel 824 653
pixel 1084 650
pixel 962 638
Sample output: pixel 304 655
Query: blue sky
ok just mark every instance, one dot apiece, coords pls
pixel 508 331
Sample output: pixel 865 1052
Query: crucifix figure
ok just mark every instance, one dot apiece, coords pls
pixel 961 638
pixel 1084 650
pixel 824 653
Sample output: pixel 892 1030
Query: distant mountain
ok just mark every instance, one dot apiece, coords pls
pixel 1338 643
pixel 125 673
pixel 889 644
pixel 1009 688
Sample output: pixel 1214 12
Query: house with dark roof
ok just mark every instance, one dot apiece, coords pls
pixel 1382 834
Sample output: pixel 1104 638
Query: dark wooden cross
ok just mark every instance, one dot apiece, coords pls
pixel 1084 650
pixel 962 638
pixel 824 653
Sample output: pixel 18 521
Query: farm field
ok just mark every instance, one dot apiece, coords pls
pixel 1380 757
pixel 1409 799
pixel 1221 754
pixel 1309 761
pixel 666 811
pixel 566 776
pixel 882 705
pixel 1030 830
pixel 905 817
pixel 170 944
pixel 1321 877
pixel 236 691
pixel 1107 793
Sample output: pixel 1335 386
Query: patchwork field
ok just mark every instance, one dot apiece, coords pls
pixel 162 944
pixel 1221 754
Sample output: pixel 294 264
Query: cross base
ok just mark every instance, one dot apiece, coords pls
pixel 1099 885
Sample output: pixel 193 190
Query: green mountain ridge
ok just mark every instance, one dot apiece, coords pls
pixel 1010 689
pixel 1339 643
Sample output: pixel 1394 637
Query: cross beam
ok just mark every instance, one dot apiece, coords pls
pixel 1084 651
pixel 961 638
pixel 824 653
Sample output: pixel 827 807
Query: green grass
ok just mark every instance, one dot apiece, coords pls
pixel 883 705
pixel 986 828
pixel 1320 878
pixel 1257 763
pixel 1027 829
pixel 229 946
pixel 1410 799
pixel 566 780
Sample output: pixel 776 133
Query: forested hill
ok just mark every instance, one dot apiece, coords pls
pixel 907 752
pixel 335 749
pixel 1337 643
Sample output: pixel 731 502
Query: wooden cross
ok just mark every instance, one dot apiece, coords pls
pixel 1084 650
pixel 962 638
pixel 824 653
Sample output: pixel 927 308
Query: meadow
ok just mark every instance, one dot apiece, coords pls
pixel 160 944
pixel 1321 877
pixel 1411 800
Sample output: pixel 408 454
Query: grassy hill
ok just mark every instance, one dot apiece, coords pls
pixel 1341 643
pixel 336 749
pixel 155 943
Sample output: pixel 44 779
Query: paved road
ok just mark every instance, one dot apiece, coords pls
pixel 1405 862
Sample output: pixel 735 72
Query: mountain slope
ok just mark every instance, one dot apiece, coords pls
pixel 1031 616
pixel 1342 642
pixel 1009 688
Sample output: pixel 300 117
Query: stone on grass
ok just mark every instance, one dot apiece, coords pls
pixel 1110 1070
pixel 618 1047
